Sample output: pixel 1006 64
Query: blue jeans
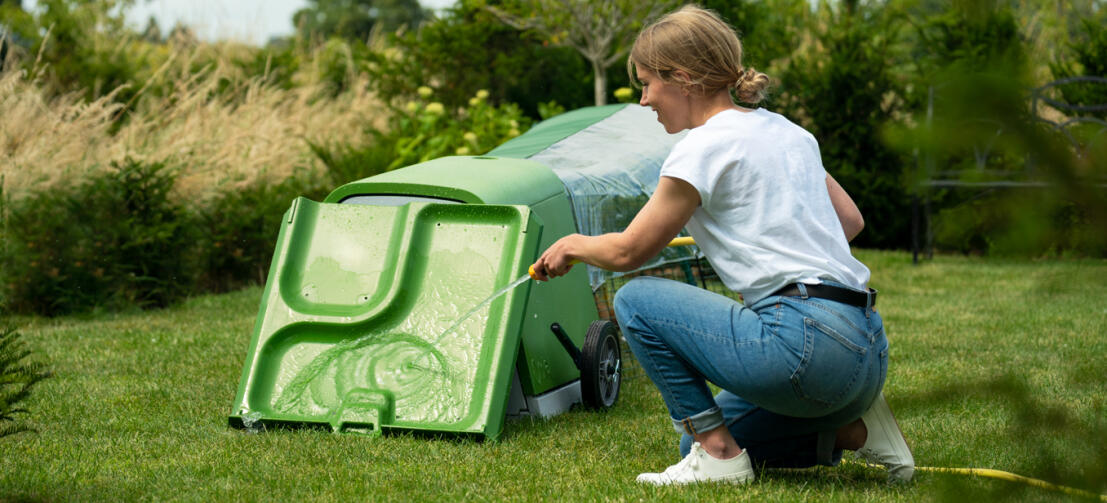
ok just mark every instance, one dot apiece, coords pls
pixel 793 369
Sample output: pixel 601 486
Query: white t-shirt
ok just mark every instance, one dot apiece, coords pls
pixel 765 218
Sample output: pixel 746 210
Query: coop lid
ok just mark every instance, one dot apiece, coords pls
pixel 372 318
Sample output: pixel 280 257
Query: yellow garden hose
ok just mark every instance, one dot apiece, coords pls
pixel 682 241
pixel 1012 477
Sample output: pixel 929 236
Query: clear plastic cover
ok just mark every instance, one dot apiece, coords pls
pixel 610 169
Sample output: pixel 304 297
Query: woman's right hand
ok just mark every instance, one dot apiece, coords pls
pixel 558 259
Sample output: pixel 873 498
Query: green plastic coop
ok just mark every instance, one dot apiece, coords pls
pixel 374 318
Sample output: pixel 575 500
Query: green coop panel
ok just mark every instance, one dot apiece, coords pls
pixel 365 322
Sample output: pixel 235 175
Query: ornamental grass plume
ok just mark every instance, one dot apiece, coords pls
pixel 217 127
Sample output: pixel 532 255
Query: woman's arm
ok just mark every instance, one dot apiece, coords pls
pixel 666 212
pixel 847 211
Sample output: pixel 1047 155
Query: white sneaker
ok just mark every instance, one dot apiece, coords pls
pixel 885 444
pixel 699 466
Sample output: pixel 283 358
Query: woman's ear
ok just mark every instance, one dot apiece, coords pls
pixel 681 77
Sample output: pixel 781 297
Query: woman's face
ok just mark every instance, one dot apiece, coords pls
pixel 667 99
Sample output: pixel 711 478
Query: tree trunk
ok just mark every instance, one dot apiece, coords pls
pixel 600 86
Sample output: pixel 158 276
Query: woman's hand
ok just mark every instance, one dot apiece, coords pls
pixel 558 259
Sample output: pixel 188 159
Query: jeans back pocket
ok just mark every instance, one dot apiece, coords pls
pixel 827 375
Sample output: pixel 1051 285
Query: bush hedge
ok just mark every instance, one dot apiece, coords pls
pixel 116 239
pixel 121 239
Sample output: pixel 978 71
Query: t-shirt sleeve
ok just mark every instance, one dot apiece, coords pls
pixel 687 162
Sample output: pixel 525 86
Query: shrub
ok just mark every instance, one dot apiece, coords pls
pixel 422 130
pixel 1089 58
pixel 427 130
pixel 762 25
pixel 17 377
pixel 981 129
pixel 345 162
pixel 1056 209
pixel 238 230
pixel 467 50
pixel 114 240
pixel 87 48
pixel 842 90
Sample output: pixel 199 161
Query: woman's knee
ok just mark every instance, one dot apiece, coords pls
pixel 629 299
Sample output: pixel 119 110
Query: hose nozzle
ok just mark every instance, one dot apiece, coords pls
pixel 681 241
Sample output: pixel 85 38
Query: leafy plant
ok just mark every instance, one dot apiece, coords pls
pixel 602 32
pixel 238 230
pixel 356 19
pixel 423 130
pixel 345 162
pixel 762 25
pixel 466 50
pixel 841 89
pixel 116 239
pixel 85 46
pixel 1089 58
pixel 17 377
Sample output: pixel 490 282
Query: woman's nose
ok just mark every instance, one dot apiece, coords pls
pixel 643 101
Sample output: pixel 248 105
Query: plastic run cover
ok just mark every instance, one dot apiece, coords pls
pixel 610 168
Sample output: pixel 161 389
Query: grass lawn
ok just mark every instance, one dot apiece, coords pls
pixel 996 364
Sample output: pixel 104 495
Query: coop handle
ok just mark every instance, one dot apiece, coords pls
pixel 680 241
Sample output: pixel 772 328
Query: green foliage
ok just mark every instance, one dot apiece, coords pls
pixel 982 137
pixel 14 22
pixel 77 43
pixel 238 230
pixel 843 93
pixel 17 377
pixel 763 25
pixel 601 32
pixel 551 109
pixel 115 240
pixel 336 65
pixel 1089 58
pixel 968 35
pixel 356 19
pixel 1063 204
pixel 468 50
pixel 422 130
pixel 121 240
pixel 346 163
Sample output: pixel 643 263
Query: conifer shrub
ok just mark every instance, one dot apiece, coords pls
pixel 17 377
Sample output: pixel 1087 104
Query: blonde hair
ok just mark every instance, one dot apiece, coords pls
pixel 699 43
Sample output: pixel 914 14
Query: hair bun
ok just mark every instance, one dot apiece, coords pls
pixel 743 76
pixel 752 86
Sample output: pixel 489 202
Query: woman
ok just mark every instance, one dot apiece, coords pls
pixel 803 361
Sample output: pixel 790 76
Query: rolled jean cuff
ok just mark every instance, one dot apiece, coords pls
pixel 704 421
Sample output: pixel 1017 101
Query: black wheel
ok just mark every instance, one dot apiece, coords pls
pixel 600 366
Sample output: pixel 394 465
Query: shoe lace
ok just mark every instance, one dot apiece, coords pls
pixel 689 464
pixel 874 456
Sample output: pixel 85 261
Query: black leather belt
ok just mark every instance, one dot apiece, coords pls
pixel 828 292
